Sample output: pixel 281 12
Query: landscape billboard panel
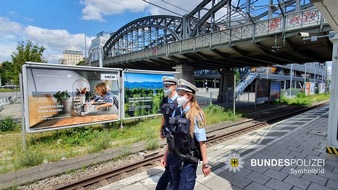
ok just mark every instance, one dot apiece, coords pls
pixel 143 92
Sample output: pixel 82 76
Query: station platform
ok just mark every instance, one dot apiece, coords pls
pixel 301 139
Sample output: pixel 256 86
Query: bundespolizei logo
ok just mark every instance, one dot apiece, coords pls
pixel 234 162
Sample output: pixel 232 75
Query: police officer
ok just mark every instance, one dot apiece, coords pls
pixel 186 139
pixel 169 102
pixel 168 105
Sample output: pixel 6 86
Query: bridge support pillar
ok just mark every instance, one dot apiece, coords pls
pixel 226 85
pixel 186 72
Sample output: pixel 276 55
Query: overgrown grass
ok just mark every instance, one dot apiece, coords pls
pixel 217 114
pixel 102 143
pixel 152 144
pixel 56 145
pixel 30 157
pixel 9 90
pixel 302 99
pixel 7 124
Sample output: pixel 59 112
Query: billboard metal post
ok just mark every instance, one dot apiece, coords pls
pixel 234 99
pixel 256 92
pixel 291 75
pixel 23 128
pixel 121 99
pixel 304 76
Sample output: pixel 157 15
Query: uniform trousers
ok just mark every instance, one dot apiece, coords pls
pixel 164 180
pixel 182 173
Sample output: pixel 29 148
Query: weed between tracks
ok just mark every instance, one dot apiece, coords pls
pixel 302 99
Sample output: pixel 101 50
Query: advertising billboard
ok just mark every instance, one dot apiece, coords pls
pixel 57 96
pixel 321 88
pixel 143 92
pixel 275 90
pixel 310 88
pixel 307 88
pixel 262 90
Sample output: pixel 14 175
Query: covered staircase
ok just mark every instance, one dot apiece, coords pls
pixel 245 81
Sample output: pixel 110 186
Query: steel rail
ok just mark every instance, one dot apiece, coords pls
pixel 105 175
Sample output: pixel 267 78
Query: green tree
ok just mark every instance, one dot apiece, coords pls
pixel 8 73
pixel 81 63
pixel 27 52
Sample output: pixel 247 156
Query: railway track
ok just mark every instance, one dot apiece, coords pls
pixel 214 136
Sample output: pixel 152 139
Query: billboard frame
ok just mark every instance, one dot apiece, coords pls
pixel 24 93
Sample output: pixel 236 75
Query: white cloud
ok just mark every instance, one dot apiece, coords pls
pixel 96 9
pixel 55 41
pixel 7 26
pixel 9 37
pixel 6 50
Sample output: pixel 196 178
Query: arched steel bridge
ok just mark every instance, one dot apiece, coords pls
pixel 223 34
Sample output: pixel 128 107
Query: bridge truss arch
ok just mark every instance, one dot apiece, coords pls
pixel 144 33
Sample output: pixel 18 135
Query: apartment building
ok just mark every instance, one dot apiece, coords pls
pixel 71 57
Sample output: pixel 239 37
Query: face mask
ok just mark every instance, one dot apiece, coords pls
pixel 167 91
pixel 182 100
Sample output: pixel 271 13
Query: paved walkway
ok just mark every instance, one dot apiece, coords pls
pixel 301 139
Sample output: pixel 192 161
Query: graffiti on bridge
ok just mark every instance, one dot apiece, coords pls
pixel 297 19
pixel 307 16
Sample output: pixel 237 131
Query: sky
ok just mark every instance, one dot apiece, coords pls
pixel 60 25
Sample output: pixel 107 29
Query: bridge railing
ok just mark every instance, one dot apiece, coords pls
pixel 290 22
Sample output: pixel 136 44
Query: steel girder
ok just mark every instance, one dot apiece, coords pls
pixel 148 32
pixel 135 32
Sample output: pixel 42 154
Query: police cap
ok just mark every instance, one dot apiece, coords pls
pixel 186 86
pixel 169 80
